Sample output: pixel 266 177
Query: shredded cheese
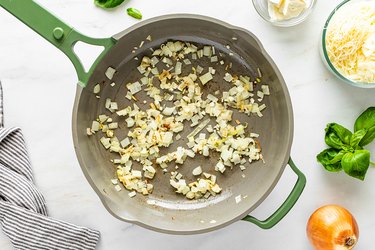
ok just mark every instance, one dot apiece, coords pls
pixel 350 41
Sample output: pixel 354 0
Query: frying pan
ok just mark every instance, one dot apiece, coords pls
pixel 163 210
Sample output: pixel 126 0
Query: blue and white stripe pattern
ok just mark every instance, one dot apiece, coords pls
pixel 23 212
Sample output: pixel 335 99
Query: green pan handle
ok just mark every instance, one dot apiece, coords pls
pixel 56 32
pixel 286 206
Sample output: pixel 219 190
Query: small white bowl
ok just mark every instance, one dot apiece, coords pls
pixel 261 6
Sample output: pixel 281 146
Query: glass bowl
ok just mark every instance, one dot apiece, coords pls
pixel 261 6
pixel 324 54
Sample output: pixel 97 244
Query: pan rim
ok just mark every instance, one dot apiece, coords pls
pixel 210 227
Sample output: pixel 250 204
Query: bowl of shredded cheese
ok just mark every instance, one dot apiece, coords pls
pixel 284 13
pixel 348 42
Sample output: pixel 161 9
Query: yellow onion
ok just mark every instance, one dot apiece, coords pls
pixel 332 228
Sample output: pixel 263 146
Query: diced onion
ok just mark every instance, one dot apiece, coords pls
pixel 124 143
pixel 214 59
pixel 107 103
pixel 155 71
pixel 199 128
pixel 205 78
pixel 134 87
pixel 207 51
pixel 212 98
pixel 154 61
pixel 132 194
pixel 130 122
pixel 95 126
pixel 265 89
pixel 197 171
pixel 178 68
pixel 106 142
pixel 168 111
pixel 103 118
pixel 110 72
pixel 97 89
pixel 187 61
pixel 228 77
pixel 156 127
pixel 113 106
pixel 113 125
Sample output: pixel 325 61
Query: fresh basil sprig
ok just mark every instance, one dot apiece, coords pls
pixel 108 3
pixel 346 148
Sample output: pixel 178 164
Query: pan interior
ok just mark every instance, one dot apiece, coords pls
pixel 168 211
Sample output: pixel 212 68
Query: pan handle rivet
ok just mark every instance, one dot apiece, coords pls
pixel 58 33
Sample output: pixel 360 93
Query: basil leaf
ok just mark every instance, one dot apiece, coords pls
pixel 134 13
pixel 366 121
pixel 369 137
pixel 331 159
pixel 337 136
pixel 356 138
pixel 108 3
pixel 356 164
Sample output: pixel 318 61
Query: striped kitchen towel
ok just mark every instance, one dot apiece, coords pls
pixel 23 213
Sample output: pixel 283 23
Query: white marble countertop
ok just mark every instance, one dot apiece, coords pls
pixel 39 88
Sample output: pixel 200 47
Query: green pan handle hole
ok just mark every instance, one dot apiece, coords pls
pixel 87 54
pixel 283 210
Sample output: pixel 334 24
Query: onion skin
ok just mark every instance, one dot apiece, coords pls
pixel 332 227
